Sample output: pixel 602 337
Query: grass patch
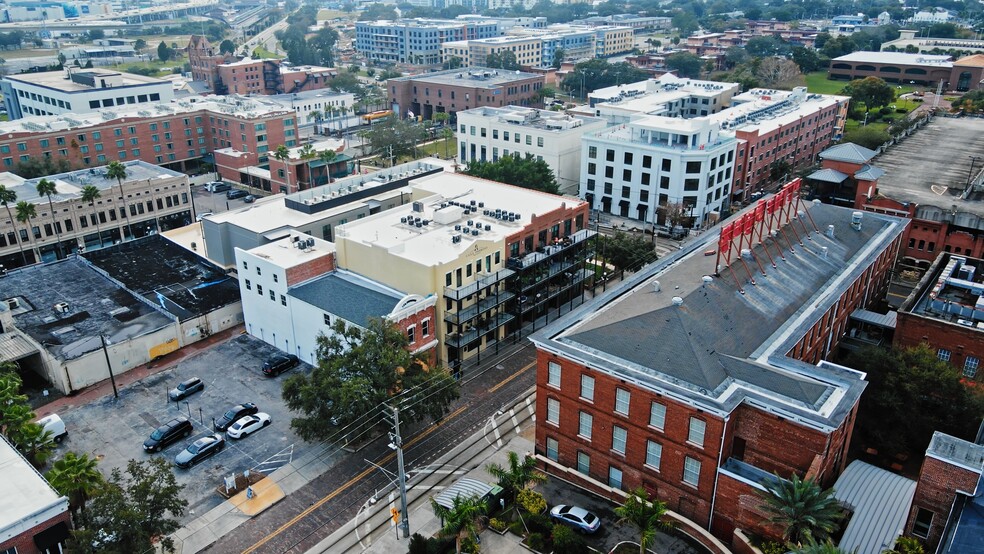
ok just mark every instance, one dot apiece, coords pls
pixel 852 125
pixel 437 148
pixel 264 53
pixel 817 82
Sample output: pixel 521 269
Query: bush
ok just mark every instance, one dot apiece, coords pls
pixel 498 525
pixel 773 547
pixel 468 546
pixel 531 501
pixel 885 111
pixel 536 542
pixel 418 544
pixel 567 541
pixel 539 523
pixel 439 546
pixel 901 110
pixel 516 528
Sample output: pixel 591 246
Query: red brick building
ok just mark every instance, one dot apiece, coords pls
pixel 270 76
pixel 455 90
pixel 898 67
pixel 699 378
pixel 946 311
pixel 205 59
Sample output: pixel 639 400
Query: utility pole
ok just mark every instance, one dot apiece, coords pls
pixel 397 444
pixel 109 365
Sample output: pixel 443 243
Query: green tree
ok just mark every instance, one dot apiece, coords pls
pixel 625 251
pixel 139 44
pixel 685 64
pixel 558 58
pixel 870 91
pixel 525 172
pixel 566 540
pixel 454 62
pixel 806 58
pixel 133 510
pixel 47 188
pixel 971 102
pixel 36 444
pixel 395 137
pixel 96 34
pixel 360 369
pixel 645 515
pixel 462 520
pixel 14 409
pixel 903 382
pixel 869 137
pixel 597 73
pixel 163 52
pixel 502 60
pixel 804 511
pixel 767 46
pixel 227 47
pixel 735 55
pixel 25 213
pixel 447 134
pixel 78 478
pixel 117 170
pixel 282 154
pixel 517 476
pixel 378 11
pixel 6 197
pixel 685 22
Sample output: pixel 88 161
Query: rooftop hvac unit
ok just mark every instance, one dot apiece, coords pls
pixel 418 207
pixel 475 232
pixel 310 243
pixel 62 307
pixel 488 227
pixel 13 303
pixel 295 238
pixel 455 239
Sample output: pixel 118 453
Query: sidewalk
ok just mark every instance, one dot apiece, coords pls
pixel 105 387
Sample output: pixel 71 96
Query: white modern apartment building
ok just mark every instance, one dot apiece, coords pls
pixel 633 169
pixel 489 133
pixel 79 91
pixel 668 95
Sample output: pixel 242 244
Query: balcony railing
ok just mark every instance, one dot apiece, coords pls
pixel 484 281
pixel 549 251
pixel 458 339
pixel 488 303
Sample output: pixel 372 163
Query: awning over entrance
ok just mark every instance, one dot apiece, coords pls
pixel 464 488
pixel 14 346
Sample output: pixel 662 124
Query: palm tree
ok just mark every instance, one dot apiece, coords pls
pixel 441 118
pixel 47 188
pixel 820 548
pixel 35 443
pixel 116 170
pixel 25 213
pixel 90 193
pixel 805 511
pixel 462 519
pixel 282 154
pixel 448 134
pixel 6 197
pixel 316 115
pixel 644 515
pixel 328 157
pixel 518 476
pixel 77 478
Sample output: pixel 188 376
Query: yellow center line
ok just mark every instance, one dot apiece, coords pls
pixel 382 461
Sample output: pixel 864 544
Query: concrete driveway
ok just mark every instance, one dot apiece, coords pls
pixel 113 430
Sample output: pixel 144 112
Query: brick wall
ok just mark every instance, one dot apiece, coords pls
pixel 935 492
pixel 739 507
pixel 24 543
pixel 962 342
pixel 309 270
pixel 416 320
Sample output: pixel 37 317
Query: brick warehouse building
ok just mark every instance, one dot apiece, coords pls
pixel 456 90
pixel 698 386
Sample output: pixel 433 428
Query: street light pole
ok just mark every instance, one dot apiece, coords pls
pixel 397 445
pixel 109 365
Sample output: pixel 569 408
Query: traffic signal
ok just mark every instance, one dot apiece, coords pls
pixel 395 515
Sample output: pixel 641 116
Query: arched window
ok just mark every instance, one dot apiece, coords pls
pixel 891 69
pixel 915 71
pixel 841 66
pixel 865 67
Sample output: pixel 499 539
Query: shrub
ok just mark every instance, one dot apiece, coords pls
pixel 567 540
pixel 773 547
pixel 885 111
pixel 901 110
pixel 539 523
pixel 418 544
pixel 536 542
pixel 498 525
pixel 468 546
pixel 516 528
pixel 439 546
pixel 531 501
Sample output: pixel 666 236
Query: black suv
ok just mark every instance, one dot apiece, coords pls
pixel 233 414
pixel 168 433
pixel 236 193
pixel 279 364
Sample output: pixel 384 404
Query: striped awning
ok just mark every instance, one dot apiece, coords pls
pixel 14 346
pixel 464 488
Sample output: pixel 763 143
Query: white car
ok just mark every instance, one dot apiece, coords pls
pixel 248 425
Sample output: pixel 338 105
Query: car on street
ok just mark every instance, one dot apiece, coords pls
pixel 249 199
pixel 248 425
pixel 167 434
pixel 278 364
pixel 235 413
pixel 185 389
pixel 577 517
pixel 199 450
pixel 236 193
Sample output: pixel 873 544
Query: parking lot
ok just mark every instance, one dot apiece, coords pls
pixel 113 430
pixel 216 202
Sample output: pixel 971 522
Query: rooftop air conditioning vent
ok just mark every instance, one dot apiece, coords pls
pixel 62 307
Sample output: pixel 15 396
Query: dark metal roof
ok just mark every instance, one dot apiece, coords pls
pixel 869 173
pixel 347 296
pixel 828 176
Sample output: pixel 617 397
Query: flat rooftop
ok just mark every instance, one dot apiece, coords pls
pixel 479 77
pixel 434 243
pixel 900 58
pixel 23 492
pixel 166 275
pixel 91 304
pixel 284 253
pixel 718 346
pixel 545 120
pixel 68 186
pixel 952 291
pixel 349 296
pixel 916 170
pixel 957 451
pixel 59 80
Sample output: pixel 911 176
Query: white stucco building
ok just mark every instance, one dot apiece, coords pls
pixel 490 133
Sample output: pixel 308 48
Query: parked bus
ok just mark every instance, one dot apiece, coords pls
pixel 376 117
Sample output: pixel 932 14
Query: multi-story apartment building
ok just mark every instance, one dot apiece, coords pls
pixel 476 52
pixel 156 199
pixel 668 95
pixel 417 41
pixel 205 59
pixel 79 91
pixel 324 111
pixel 536 47
pixel 270 76
pixel 486 134
pixel 497 256
pixel 176 136
pixel 651 166
pixel 699 380
pixel 457 90
pixel 636 22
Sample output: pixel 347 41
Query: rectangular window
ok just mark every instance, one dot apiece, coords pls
pixel 553 374
pixel 553 411
pixel 584 423
pixel 587 387
pixel 657 415
pixel 425 328
pixel 943 354
pixel 622 401
pixel 259 289
pixel 273 295
pixel 583 463
pixel 248 285
pixel 327 319
pixel 614 477
pixel 697 428
pixel 283 300
pixel 970 366
pixel 691 471
pixel 619 435
pixel 411 334
pixel 553 449
pixel 654 453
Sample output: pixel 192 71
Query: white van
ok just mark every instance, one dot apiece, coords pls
pixel 55 425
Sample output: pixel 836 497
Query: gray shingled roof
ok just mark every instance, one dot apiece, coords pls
pixel 869 173
pixel 848 152
pixel 346 296
pixel 880 501
pixel 828 176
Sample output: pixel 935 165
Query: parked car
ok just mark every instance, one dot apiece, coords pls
pixel 249 199
pixel 235 413
pixel 166 434
pixel 199 450
pixel 186 388
pixel 248 425
pixel 55 426
pixel 217 186
pixel 236 193
pixel 577 517
pixel 279 364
